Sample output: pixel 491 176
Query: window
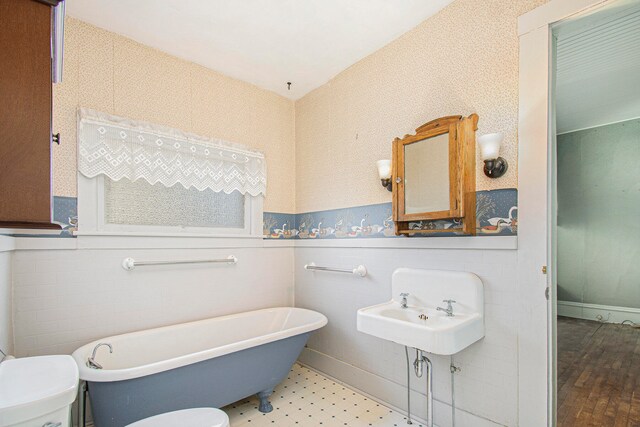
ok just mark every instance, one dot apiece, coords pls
pixel 200 186
pixel 170 206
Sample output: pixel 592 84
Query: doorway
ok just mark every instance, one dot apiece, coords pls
pixel 595 235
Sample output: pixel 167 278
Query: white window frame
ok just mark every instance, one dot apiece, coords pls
pixel 91 217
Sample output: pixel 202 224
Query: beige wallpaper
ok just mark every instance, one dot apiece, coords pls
pixel 321 151
pixel 111 73
pixel 463 60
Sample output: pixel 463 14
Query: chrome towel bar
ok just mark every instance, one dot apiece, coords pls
pixel 359 270
pixel 130 263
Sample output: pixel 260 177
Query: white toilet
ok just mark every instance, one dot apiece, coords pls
pixel 195 417
pixel 37 391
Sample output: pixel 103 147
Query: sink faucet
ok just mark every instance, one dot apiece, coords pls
pixel 91 361
pixel 403 303
pixel 449 309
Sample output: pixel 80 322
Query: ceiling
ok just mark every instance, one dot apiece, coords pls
pixel 598 68
pixel 264 42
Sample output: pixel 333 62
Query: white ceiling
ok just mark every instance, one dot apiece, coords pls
pixel 598 69
pixel 264 42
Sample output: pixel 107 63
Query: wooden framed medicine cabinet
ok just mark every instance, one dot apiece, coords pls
pixel 434 176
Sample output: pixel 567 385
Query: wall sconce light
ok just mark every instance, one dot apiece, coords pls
pixel 384 171
pixel 494 165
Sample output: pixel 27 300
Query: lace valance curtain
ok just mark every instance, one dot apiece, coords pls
pixel 121 148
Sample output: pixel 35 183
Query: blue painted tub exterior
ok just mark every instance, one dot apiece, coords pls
pixel 214 383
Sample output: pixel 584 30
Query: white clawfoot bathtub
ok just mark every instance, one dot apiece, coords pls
pixel 210 362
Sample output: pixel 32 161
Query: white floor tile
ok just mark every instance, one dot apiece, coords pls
pixel 307 398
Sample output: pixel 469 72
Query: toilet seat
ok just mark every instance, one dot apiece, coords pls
pixel 194 417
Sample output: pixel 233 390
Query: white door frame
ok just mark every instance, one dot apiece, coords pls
pixel 536 319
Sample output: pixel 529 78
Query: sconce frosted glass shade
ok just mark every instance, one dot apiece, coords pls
pixel 384 168
pixel 490 145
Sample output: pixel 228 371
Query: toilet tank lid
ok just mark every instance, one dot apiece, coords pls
pixel 194 417
pixel 34 386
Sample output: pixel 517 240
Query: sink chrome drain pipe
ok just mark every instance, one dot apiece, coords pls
pixel 419 363
pixel 406 353
pixel 418 366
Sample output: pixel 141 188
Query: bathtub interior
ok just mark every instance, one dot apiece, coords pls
pixel 158 345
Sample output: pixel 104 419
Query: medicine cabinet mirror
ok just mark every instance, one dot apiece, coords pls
pixel 434 176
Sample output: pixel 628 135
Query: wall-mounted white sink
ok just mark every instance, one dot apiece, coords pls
pixel 421 325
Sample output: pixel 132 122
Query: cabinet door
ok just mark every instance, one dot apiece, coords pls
pixel 428 175
pixel 25 113
pixel 434 177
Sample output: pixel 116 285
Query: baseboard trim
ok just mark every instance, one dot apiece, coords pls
pixel 598 312
pixel 387 392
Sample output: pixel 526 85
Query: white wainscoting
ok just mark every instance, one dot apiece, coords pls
pixel 67 293
pixel 7 245
pixel 598 312
pixel 65 298
pixel 487 385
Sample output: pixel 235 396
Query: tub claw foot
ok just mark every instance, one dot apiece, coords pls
pixel 265 406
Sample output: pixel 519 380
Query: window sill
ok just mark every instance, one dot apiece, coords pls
pixel 182 241
pixel 122 240
pixel 165 234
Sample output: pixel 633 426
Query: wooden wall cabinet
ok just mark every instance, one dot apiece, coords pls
pixel 434 176
pixel 26 114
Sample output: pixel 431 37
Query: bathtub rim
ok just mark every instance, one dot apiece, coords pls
pixel 316 321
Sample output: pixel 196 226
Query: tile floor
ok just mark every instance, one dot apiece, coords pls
pixel 307 398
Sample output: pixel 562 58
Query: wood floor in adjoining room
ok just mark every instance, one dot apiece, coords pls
pixel 598 374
